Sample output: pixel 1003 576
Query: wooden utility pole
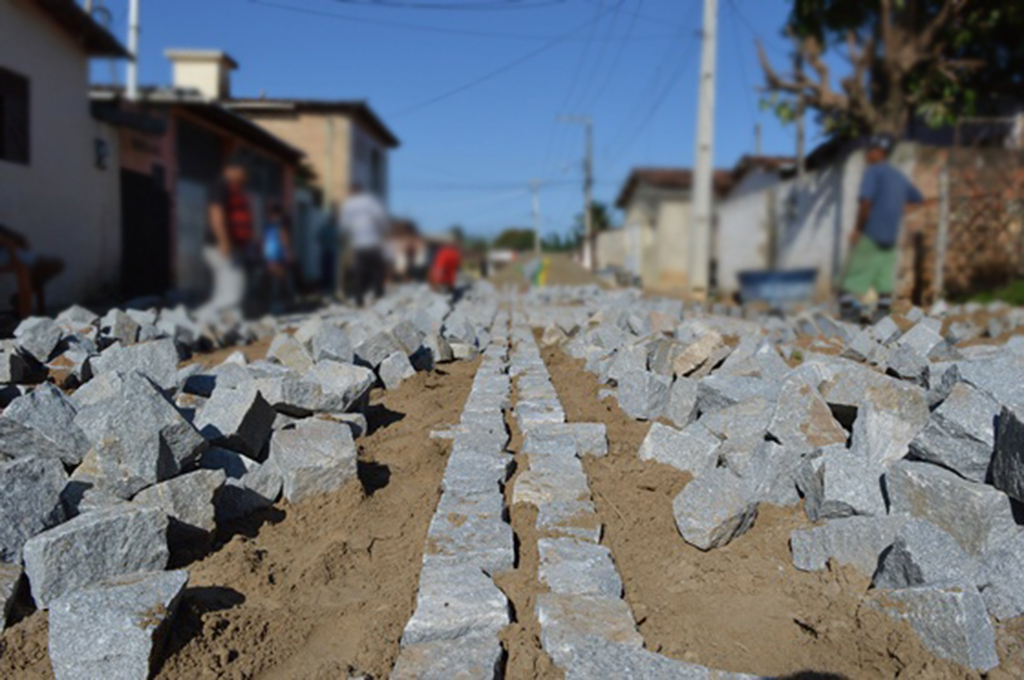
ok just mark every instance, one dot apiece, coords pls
pixel 703 175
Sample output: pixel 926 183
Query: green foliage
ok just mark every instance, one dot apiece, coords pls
pixel 515 239
pixel 600 218
pixel 1012 294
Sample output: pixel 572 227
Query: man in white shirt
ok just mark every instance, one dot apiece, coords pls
pixel 365 224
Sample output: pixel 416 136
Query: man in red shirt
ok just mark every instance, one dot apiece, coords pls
pixel 445 269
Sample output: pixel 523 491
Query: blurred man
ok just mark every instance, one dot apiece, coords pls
pixel 444 272
pixel 32 270
pixel 364 221
pixel 885 193
pixel 231 250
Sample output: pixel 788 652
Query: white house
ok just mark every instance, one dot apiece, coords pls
pixel 59 181
pixel 655 232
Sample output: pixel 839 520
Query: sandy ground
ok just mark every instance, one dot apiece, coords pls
pixel 563 271
pixel 744 607
pixel 318 590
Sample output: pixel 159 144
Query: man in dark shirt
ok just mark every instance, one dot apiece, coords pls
pixel 230 250
pixel 885 193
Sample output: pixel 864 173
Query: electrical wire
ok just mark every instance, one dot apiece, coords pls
pixel 551 44
pixel 747 90
pixel 426 28
pixel 449 5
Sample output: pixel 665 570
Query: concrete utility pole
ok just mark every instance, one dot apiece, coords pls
pixel 535 186
pixel 133 47
pixel 703 175
pixel 588 188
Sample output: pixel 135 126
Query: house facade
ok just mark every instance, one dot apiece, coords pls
pixel 656 204
pixel 59 181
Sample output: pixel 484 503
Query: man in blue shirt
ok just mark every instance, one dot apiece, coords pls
pixel 885 193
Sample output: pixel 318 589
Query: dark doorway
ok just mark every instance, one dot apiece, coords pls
pixel 145 235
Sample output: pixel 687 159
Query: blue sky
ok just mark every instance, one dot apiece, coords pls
pixel 467 158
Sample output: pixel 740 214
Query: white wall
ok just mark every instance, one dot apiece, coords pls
pixel 611 251
pixel 66 206
pixel 743 228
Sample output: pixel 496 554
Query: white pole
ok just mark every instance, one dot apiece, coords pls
pixel 535 185
pixel 133 48
pixel 703 178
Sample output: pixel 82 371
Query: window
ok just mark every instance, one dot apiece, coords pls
pixel 14 117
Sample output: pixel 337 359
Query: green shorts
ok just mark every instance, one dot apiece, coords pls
pixel 871 267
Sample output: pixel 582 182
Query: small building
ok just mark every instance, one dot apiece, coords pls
pixel 168 175
pixel 59 182
pixel 656 226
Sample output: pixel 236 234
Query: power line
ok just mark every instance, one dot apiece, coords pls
pixel 496 72
pixel 453 5
pixel 422 28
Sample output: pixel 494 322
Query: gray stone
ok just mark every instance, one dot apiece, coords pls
pixel 979 517
pixel 594 657
pixel 76 318
pixel 157 360
pixel 239 419
pixel 890 417
pixel 591 438
pixel 714 509
pixel 461 533
pixel 30 502
pixel 854 541
pixel 115 628
pixel 15 366
pixel 662 355
pixel 802 421
pixel 98 390
pixel 42 423
pixel 697 353
pixel 409 338
pixel 693 450
pixel 770 474
pixel 468 657
pixel 1001 578
pixel 290 395
pixel 95 546
pixel 746 420
pixel 316 457
pixel 718 391
pixel 629 359
pixel 343 386
pixel 1008 460
pixel 10 585
pixel 376 348
pixel 682 402
pixel 140 438
pixel 38 336
pixel 538 488
pixel 960 433
pixel 575 519
pixel 950 620
pixel 188 500
pixel 842 484
pixel 330 342
pixel 923 555
pixel 439 348
pixel 644 395
pixel 119 326
pixel 571 567
pixel 249 486
pixel 288 351
pixel 395 369
pixel 922 338
pixel 455 601
pixel 568 620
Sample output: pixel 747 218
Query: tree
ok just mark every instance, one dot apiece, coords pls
pixel 600 218
pixel 924 57
pixel 515 239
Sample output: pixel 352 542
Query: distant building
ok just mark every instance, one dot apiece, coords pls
pixel 58 165
pixel 656 227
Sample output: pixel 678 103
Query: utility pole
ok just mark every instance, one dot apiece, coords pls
pixel 588 188
pixel 133 47
pixel 535 186
pixel 703 177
